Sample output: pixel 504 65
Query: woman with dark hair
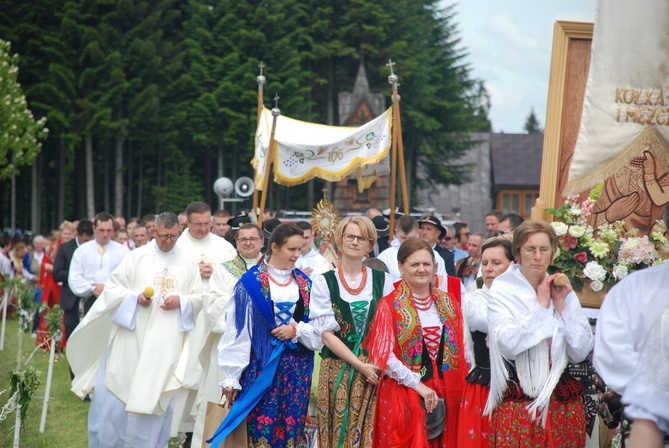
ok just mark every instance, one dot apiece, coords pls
pixel 535 326
pixel 267 349
pixel 416 341
pixel 347 380
pixel 474 428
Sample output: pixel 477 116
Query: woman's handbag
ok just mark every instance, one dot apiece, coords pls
pixel 215 414
pixel 435 421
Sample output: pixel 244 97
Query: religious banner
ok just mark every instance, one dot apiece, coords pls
pixel 624 127
pixel 305 150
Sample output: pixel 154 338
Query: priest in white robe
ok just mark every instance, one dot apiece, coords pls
pixel 209 251
pixel 131 350
pixel 250 241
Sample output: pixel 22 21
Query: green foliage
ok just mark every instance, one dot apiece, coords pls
pixel 54 318
pixel 25 382
pixel 532 125
pixel 20 132
pixel 165 87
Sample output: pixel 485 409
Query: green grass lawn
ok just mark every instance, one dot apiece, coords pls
pixel 67 415
pixel 66 423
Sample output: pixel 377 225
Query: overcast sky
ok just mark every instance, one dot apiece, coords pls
pixel 509 45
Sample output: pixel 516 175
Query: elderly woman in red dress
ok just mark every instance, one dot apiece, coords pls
pixel 535 327
pixel 416 340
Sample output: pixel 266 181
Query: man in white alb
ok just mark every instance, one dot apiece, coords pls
pixel 93 261
pixel 130 348
pixel 310 262
pixel 249 239
pixel 209 251
pixel 405 227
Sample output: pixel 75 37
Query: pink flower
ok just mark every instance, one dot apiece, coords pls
pixel 569 242
pixel 581 256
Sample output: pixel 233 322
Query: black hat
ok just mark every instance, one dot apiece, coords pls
pixel 386 213
pixel 435 222
pixel 381 225
pixel 269 226
pixel 236 222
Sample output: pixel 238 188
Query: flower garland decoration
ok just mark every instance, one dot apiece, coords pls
pixel 605 255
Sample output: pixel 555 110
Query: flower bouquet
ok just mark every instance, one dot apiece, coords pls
pixel 605 255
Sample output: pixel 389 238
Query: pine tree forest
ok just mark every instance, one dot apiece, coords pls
pixel 148 102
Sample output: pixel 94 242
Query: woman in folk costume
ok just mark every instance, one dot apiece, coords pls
pixel 647 394
pixel 347 381
pixel 416 340
pixel 455 379
pixel 267 349
pixel 474 429
pixel 535 327
pixel 51 296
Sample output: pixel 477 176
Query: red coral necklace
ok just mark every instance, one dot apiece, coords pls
pixel 352 291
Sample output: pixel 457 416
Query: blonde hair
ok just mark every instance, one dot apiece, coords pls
pixel 366 225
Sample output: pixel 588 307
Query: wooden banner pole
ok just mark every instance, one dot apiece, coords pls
pixel 268 161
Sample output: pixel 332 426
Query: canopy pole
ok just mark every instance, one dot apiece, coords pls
pixel 268 161
pixel 392 79
pixel 261 82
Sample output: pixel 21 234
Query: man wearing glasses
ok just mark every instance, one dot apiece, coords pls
pixel 209 251
pixel 128 346
pixel 250 241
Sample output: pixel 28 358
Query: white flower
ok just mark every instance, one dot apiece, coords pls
pixel 594 271
pixel 560 228
pixel 575 211
pixel 596 285
pixel 577 231
pixel 620 271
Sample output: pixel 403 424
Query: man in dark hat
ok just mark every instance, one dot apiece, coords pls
pixel 431 231
pixel 268 227
pixel 382 231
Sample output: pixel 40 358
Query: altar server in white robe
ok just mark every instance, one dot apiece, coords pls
pixel 93 261
pixel 250 241
pixel 209 251
pixel 405 227
pixel 311 262
pixel 130 349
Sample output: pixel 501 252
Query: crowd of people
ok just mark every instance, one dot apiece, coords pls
pixel 436 337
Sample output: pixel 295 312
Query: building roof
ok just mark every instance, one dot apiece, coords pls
pixel 516 160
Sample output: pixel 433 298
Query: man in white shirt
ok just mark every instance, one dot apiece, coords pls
pixel 130 348
pixel 405 227
pixel 208 251
pixel 249 239
pixel 93 262
pixel 310 262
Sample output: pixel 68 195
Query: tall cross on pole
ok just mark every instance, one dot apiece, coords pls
pixel 390 64
pixel 261 65
pixel 276 100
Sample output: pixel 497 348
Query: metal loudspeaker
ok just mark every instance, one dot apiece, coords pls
pixel 244 187
pixel 223 187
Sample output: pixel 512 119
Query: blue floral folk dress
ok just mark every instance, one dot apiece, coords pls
pixel 264 299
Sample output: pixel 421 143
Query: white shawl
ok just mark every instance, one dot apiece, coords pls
pixel 528 334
